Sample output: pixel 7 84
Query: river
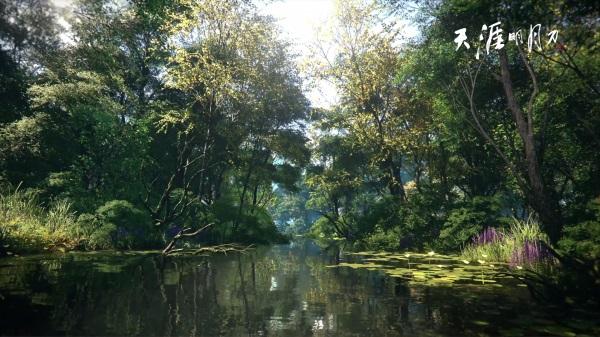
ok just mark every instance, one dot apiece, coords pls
pixel 283 290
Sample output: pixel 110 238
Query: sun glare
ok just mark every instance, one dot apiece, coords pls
pixel 299 20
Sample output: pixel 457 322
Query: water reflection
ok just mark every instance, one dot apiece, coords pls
pixel 275 291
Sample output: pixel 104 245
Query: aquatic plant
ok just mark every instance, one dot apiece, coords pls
pixel 430 254
pixel 489 235
pixel 520 244
pixel 453 271
pixel 529 253
pixel 481 264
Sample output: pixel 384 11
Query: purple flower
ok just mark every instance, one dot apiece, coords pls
pixel 489 235
pixel 531 252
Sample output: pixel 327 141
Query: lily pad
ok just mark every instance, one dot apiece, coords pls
pixel 436 270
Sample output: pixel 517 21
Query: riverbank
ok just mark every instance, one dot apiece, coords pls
pixel 28 226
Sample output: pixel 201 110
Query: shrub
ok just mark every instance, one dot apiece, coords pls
pixel 253 225
pixel 104 237
pixel 384 239
pixel 97 235
pixel 125 225
pixel 321 230
pixel 583 239
pixel 258 227
pixel 466 221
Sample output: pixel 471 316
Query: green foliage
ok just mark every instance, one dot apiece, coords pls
pixel 13 97
pixel 583 239
pixel 29 149
pixel 440 128
pixel 469 219
pixel 258 227
pixel 251 226
pixel 321 230
pixel 96 234
pixel 169 106
pixel 127 226
pixel 194 111
pixel 290 211
pixel 28 226
pixel 386 240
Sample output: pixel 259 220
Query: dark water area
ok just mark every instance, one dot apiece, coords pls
pixel 284 290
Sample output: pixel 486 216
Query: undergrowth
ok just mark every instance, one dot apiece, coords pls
pixel 520 244
pixel 27 226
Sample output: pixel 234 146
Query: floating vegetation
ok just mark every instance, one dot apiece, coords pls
pixel 368 265
pixel 417 268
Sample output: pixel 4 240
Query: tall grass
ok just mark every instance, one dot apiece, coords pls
pixel 518 245
pixel 27 226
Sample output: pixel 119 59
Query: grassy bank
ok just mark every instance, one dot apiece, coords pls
pixel 27 227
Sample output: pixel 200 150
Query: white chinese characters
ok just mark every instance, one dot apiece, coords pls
pixel 493 36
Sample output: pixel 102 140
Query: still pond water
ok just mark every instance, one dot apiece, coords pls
pixel 286 290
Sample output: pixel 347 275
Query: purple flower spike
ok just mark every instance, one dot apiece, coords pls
pixel 489 235
pixel 531 252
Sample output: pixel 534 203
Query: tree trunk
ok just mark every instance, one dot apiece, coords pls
pixel 537 194
pixel 395 184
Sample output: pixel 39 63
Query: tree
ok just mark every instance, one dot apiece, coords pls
pixel 235 128
pixel 524 142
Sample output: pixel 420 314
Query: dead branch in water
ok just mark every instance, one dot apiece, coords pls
pixel 184 233
pixel 225 248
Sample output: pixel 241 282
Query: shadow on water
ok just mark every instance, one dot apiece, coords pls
pixel 285 290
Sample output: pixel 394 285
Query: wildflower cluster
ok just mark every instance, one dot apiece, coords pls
pixel 520 245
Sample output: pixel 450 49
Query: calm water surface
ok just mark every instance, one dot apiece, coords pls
pixel 285 290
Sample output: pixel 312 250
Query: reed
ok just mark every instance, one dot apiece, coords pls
pixel 28 226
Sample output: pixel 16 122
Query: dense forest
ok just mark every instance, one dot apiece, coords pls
pixel 450 187
pixel 150 118
pixel 129 124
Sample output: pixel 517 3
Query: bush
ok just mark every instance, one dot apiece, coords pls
pixel 126 226
pixel 466 221
pixel 97 235
pixel 258 227
pixel 421 218
pixel 583 239
pixel 382 239
pixel 321 230
pixel 251 226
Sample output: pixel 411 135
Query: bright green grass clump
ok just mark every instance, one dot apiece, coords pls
pixel 509 241
pixel 26 226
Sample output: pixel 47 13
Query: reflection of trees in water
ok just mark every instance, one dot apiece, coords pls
pixel 226 295
pixel 266 292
